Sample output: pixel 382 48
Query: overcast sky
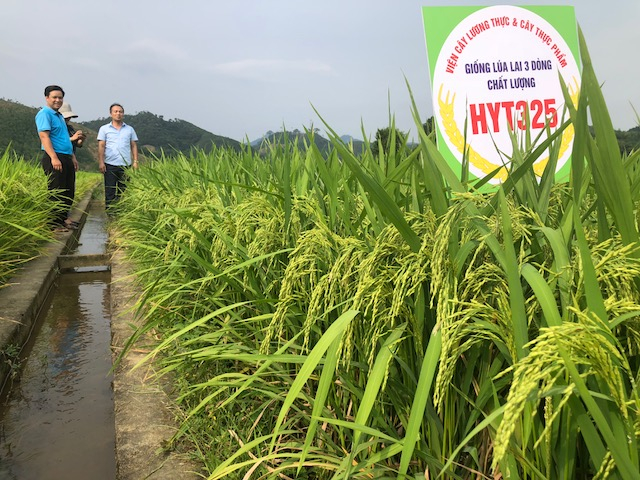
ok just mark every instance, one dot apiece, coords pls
pixel 239 68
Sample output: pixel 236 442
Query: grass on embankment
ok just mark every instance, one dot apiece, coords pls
pixel 24 210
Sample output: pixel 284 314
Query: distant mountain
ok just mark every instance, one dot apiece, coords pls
pixel 18 129
pixel 358 145
pixel 301 140
pixel 157 134
pixel 294 137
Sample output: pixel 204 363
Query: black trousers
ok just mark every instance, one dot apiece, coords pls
pixel 114 183
pixel 62 185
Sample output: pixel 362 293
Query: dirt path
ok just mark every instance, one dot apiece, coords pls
pixel 144 421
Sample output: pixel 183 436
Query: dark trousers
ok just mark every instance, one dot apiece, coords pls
pixel 114 183
pixel 62 185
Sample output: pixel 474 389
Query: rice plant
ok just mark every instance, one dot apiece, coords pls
pixel 25 209
pixel 377 317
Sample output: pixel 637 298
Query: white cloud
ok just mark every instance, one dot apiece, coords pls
pixel 266 69
pixel 152 49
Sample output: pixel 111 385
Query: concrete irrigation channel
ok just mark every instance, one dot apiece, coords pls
pixel 66 316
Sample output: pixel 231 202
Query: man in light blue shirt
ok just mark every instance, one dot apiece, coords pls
pixel 117 152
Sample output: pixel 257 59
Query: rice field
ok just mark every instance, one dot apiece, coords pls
pixel 376 317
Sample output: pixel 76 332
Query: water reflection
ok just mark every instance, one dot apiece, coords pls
pixel 58 421
pixel 93 237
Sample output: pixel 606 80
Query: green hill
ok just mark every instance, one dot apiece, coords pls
pixel 629 140
pixel 157 134
pixel 18 130
pixel 301 140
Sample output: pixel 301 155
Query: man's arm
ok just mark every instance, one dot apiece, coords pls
pixel 134 153
pixel 48 147
pixel 101 147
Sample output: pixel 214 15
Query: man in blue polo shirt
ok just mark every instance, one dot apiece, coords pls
pixel 57 161
pixel 117 151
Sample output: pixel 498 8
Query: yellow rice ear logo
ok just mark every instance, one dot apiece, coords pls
pixel 451 130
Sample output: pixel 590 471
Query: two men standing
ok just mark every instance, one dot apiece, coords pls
pixel 117 151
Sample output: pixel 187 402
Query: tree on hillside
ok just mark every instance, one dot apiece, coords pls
pixel 629 141
pixel 429 126
pixel 383 140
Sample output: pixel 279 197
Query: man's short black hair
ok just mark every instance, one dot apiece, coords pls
pixel 115 105
pixel 52 88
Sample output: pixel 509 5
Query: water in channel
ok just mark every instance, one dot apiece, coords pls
pixel 57 421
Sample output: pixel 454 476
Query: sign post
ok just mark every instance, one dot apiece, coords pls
pixel 494 73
